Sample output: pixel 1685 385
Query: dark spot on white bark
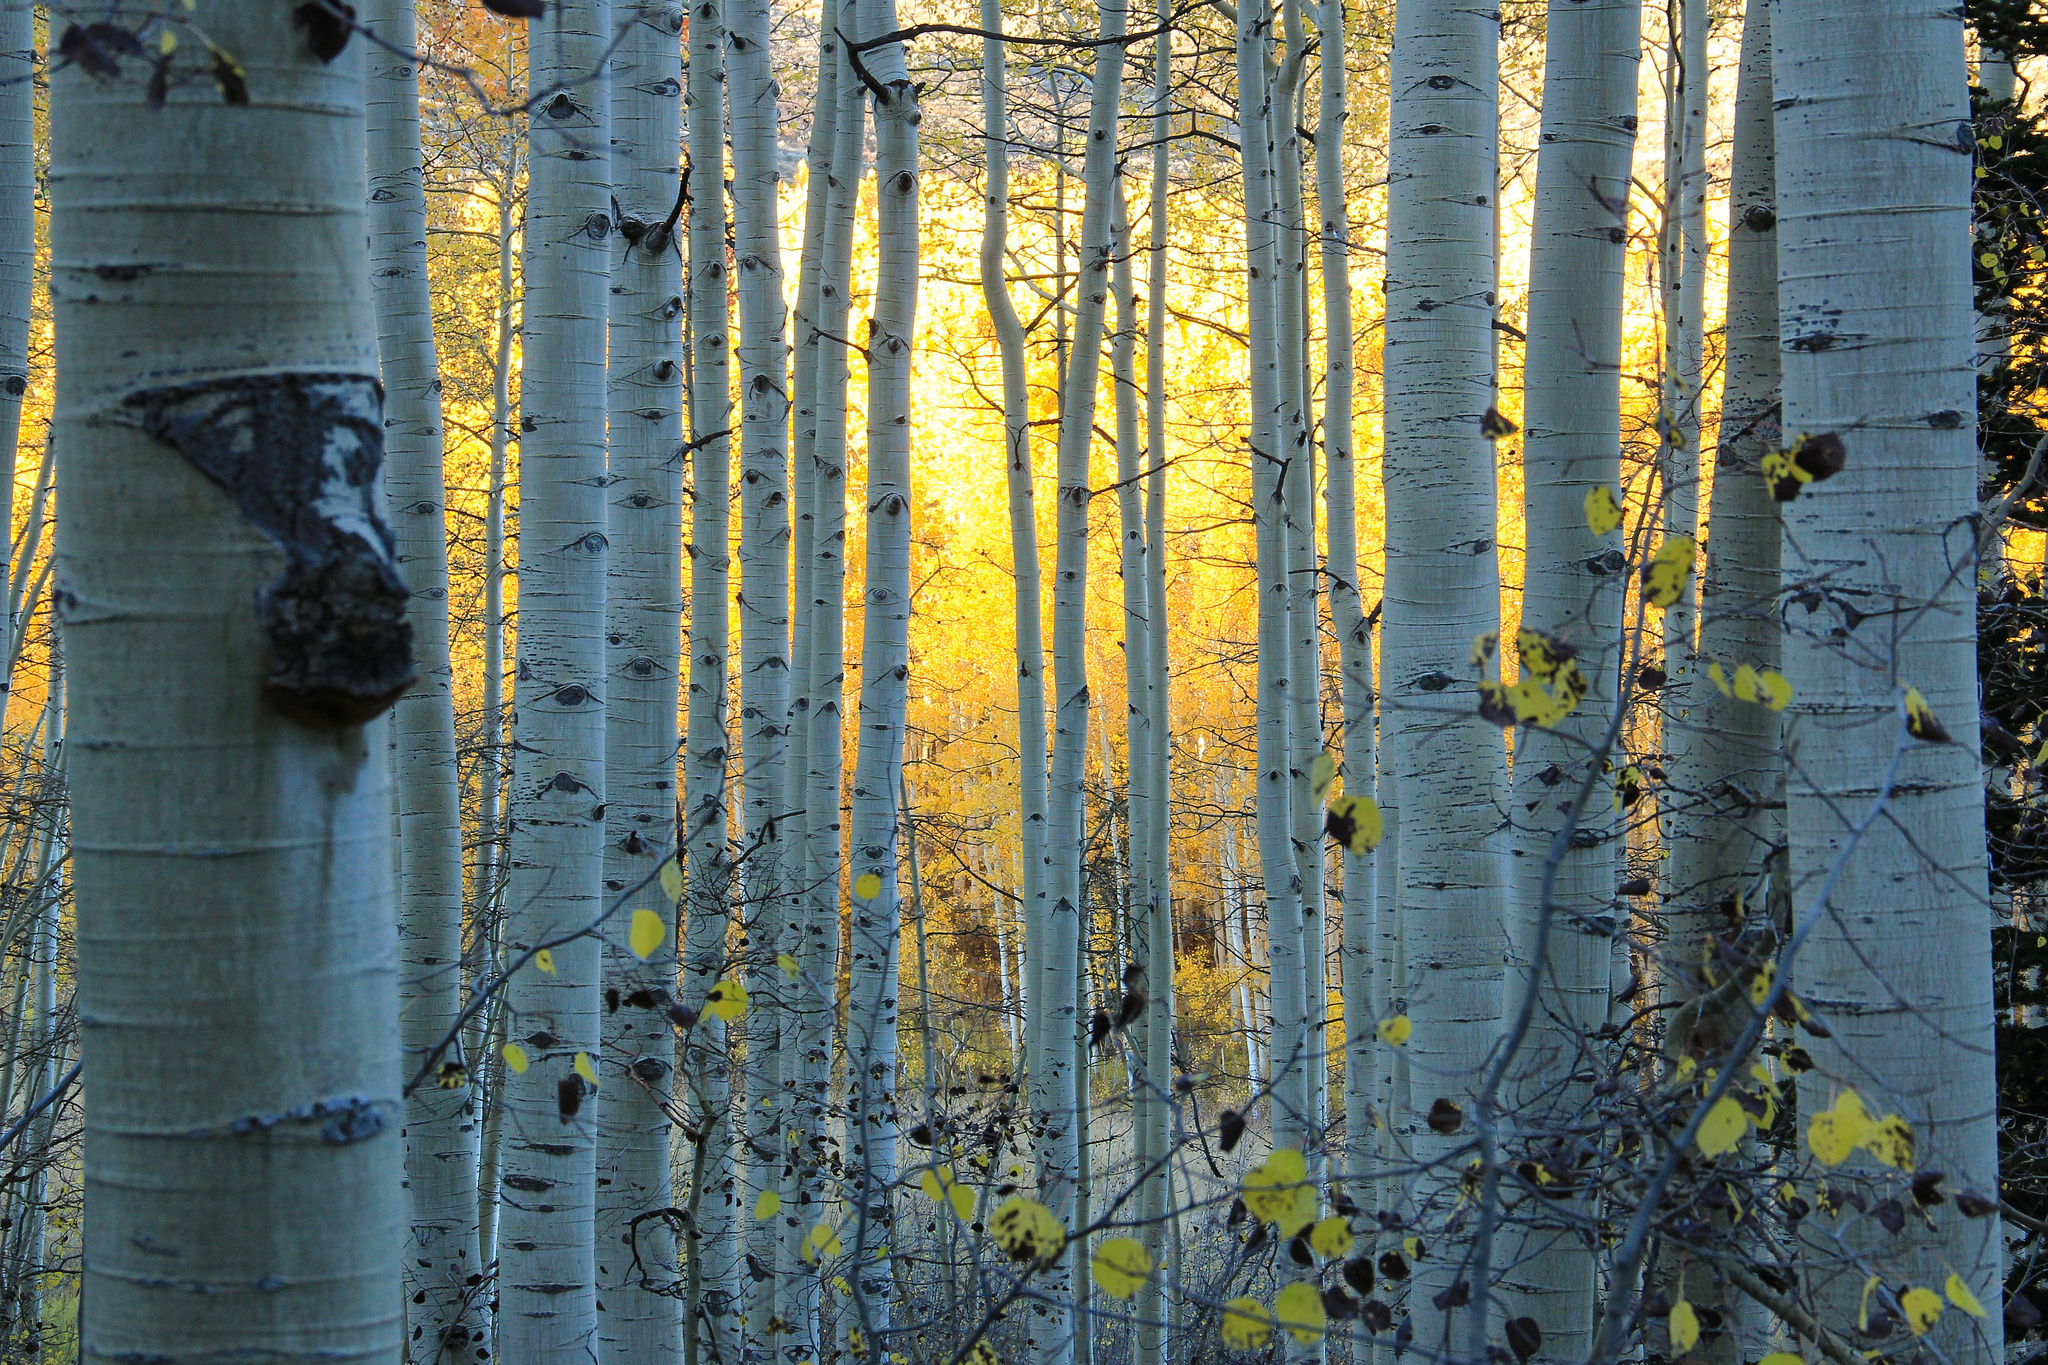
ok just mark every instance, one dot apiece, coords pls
pixel 299 455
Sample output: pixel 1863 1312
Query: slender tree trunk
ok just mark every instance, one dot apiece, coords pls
pixel 17 240
pixel 239 1008
pixel 636 1261
pixel 1565 893
pixel 823 658
pixel 1347 607
pixel 1442 584
pixel 711 1323
pixel 764 611
pixel 1873 246
pixel 1055 1096
pixel 1684 282
pixel 546 1271
pixel 440 1120
pixel 1025 571
pixel 884 688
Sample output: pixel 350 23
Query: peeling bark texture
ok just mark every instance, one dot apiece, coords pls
pixel 236 934
pixel 300 455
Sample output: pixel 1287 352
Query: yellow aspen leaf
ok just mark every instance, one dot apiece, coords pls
pixel 1027 1230
pixel 822 1241
pixel 1331 1239
pixel 672 880
pixel 1120 1266
pixel 1603 510
pixel 1777 696
pixel 1809 459
pixel 515 1057
pixel 1685 1328
pixel 727 1000
pixel 1686 1067
pixel 962 1200
pixel 767 1206
pixel 1299 1309
pixel 933 1183
pixel 1395 1030
pixel 1270 1189
pixel 1760 984
pixel 1288 1165
pixel 1863 1308
pixel 1355 823
pixel 1412 1246
pixel 1483 648
pixel 545 960
pixel 1890 1140
pixel 789 965
pixel 1723 1127
pixel 1301 1211
pixel 1827 1141
pixel 1782 1358
pixel 1665 576
pixel 867 886
pixel 647 934
pixel 584 1069
pixel 982 1354
pixel 1322 773
pixel 1959 1294
pixel 1719 677
pixel 1923 1308
pixel 1541 654
pixel 1246 1324
pixel 1747 686
pixel 1921 722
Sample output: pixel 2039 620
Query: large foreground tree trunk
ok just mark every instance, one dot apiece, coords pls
pixel 1875 309
pixel 234 619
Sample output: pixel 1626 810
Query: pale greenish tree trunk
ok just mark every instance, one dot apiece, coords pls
pixel 824 660
pixel 1563 922
pixel 1875 313
pixel 547 1301
pixel 17 237
pixel 1054 1078
pixel 1683 280
pixel 764 612
pixel 440 1121
pixel 876 914
pixel 711 1253
pixel 220 427
pixel 1442 579
pixel 637 1270
pixel 1347 609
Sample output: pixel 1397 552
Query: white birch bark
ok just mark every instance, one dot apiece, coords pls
pixel 637 1267
pixel 876 913
pixel 1875 312
pixel 1055 1082
pixel 712 1251
pixel 1442 583
pixel 547 1300
pixel 445 1317
pixel 232 624
pixel 1564 924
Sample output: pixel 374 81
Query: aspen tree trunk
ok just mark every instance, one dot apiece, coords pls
pixel 1347 606
pixel 1873 249
pixel 1563 923
pixel 17 237
pixel 1442 584
pixel 1055 1093
pixel 233 623
pixel 796 1071
pixel 440 1120
pixel 764 606
pixel 826 663
pixel 1020 471
pixel 1025 571
pixel 1684 281
pixel 1727 790
pixel 1726 800
pixel 1155 1333
pixel 884 688
pixel 712 1251
pixel 547 1304
pixel 637 1265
